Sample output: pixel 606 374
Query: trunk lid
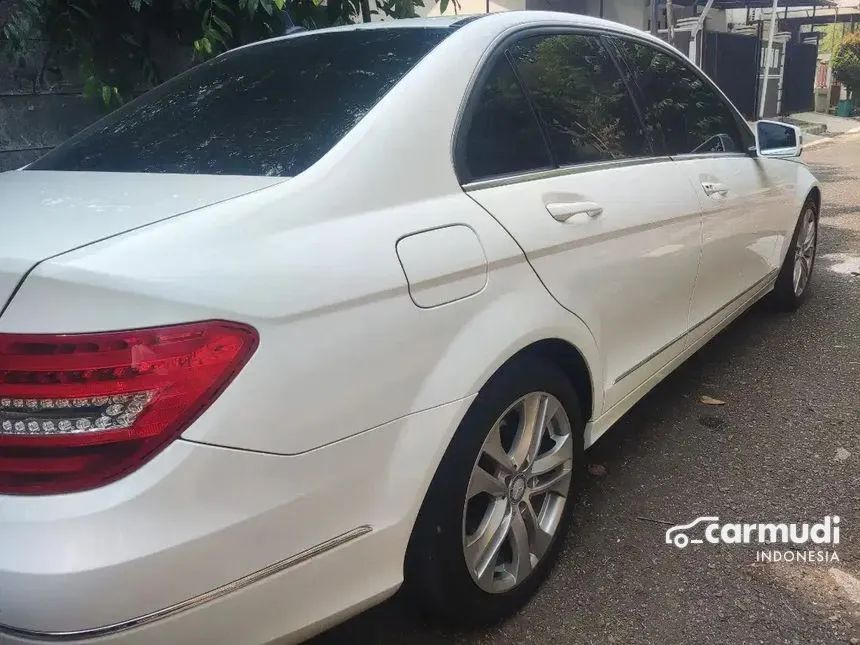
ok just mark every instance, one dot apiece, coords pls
pixel 46 213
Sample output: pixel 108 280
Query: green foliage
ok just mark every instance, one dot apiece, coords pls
pixel 689 109
pixel 124 46
pixel 558 90
pixel 846 63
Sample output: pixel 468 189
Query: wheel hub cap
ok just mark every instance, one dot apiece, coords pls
pixel 517 489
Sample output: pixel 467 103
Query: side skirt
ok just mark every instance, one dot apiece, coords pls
pixel 595 429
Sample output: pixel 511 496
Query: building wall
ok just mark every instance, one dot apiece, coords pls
pixel 629 12
pixel 38 109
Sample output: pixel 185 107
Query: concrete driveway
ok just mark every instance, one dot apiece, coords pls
pixel 784 447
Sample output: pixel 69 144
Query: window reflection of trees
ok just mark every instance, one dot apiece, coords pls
pixel 678 103
pixel 503 135
pixel 581 97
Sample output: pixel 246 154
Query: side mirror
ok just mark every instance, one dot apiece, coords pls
pixel 775 139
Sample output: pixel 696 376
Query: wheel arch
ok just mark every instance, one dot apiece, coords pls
pixel 570 360
pixel 562 354
pixel 552 350
pixel 815 195
pixel 807 188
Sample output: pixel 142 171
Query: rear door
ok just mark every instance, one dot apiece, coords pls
pixel 743 199
pixel 553 147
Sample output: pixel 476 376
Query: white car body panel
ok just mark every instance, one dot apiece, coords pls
pixel 46 213
pixel 266 511
pixel 743 229
pixel 307 310
pixel 443 265
pixel 333 430
pixel 611 270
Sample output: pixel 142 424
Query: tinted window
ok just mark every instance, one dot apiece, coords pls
pixel 585 106
pixel 679 107
pixel 503 136
pixel 271 109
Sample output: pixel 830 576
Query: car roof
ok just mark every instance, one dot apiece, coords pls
pixel 497 22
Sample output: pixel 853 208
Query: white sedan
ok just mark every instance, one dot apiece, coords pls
pixel 340 311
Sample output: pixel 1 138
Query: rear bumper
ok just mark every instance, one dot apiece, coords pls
pixel 206 544
pixel 309 589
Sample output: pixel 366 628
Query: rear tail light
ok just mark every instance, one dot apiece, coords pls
pixel 78 411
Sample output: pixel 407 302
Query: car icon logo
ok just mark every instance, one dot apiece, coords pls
pixel 677 534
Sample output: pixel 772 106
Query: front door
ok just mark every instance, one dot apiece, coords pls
pixel 556 152
pixel 740 196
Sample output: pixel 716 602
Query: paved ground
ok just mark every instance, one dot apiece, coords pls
pixel 786 446
pixel 835 124
pixel 812 122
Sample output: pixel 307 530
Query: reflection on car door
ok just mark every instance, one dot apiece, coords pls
pixel 743 201
pixel 553 147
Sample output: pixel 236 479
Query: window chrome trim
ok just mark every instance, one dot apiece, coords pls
pixel 757 287
pixel 711 155
pixel 562 171
pixel 196 601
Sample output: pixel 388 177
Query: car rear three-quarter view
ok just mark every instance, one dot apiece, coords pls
pixel 340 312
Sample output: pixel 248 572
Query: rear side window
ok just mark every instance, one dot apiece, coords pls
pixel 271 109
pixel 584 104
pixel 679 107
pixel 503 136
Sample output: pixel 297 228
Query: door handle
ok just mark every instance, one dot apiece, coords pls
pixel 566 211
pixel 715 189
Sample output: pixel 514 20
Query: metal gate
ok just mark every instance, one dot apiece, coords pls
pixel 798 77
pixel 732 61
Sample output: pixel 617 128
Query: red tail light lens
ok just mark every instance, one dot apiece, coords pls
pixel 78 411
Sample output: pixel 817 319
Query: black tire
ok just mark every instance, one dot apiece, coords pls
pixel 784 296
pixel 436 572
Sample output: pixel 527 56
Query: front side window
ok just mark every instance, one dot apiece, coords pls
pixel 271 109
pixel 584 104
pixel 678 105
pixel 503 137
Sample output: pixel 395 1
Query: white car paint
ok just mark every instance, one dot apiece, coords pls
pixel 443 264
pixel 46 214
pixel 322 449
pixel 742 227
pixel 610 269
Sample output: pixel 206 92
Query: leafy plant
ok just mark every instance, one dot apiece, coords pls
pixel 118 48
pixel 846 63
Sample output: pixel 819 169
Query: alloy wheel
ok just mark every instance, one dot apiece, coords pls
pixel 517 492
pixel 804 251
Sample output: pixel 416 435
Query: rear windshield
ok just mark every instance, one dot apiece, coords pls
pixel 272 109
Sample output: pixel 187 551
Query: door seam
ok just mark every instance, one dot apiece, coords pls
pixel 536 274
pixel 701 251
